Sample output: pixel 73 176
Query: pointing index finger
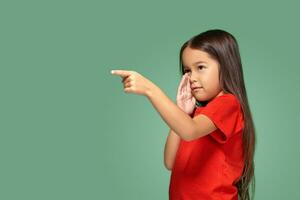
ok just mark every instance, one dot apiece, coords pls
pixel 122 73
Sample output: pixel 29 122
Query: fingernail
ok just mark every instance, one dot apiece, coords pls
pixel 112 71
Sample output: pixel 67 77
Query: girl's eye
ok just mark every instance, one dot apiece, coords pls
pixel 201 67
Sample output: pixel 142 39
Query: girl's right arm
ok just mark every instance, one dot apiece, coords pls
pixel 171 147
pixel 187 105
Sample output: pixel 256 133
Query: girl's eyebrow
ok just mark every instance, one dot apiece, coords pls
pixel 195 63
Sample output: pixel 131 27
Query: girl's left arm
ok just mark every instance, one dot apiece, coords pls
pixel 181 123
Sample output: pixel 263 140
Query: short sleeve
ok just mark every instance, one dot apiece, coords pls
pixel 226 114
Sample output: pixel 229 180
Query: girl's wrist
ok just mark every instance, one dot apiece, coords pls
pixel 151 90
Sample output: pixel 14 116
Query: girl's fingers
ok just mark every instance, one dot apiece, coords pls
pixel 180 87
pixel 184 88
pixel 126 79
pixel 127 85
pixel 189 90
pixel 185 84
pixel 122 73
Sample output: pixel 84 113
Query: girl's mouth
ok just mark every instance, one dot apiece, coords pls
pixel 197 88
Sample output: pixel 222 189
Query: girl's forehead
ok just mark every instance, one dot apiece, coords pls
pixel 191 57
pixel 189 53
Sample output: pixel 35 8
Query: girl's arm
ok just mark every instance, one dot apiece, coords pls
pixel 171 147
pixel 180 122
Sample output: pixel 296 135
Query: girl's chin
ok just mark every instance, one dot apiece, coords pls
pixel 200 97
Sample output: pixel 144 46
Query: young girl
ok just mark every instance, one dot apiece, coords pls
pixel 211 143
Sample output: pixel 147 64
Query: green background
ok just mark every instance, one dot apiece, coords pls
pixel 69 131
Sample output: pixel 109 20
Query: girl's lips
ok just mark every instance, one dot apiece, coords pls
pixel 197 88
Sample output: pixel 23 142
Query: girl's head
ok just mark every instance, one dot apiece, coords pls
pixel 222 71
pixel 213 62
pixel 203 71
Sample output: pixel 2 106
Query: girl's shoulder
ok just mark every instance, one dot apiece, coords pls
pixel 227 97
pixel 226 100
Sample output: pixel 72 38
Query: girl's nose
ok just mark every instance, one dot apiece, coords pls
pixel 191 77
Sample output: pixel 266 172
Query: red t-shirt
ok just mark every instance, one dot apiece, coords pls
pixel 207 167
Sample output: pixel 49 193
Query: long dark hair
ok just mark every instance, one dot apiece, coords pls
pixel 223 47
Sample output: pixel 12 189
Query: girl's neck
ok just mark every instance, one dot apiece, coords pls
pixel 204 103
pixel 201 103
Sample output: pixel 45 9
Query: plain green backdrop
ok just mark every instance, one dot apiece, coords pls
pixel 69 131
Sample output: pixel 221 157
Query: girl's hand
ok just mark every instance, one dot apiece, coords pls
pixel 133 82
pixel 185 99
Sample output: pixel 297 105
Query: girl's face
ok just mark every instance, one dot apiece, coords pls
pixel 203 72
